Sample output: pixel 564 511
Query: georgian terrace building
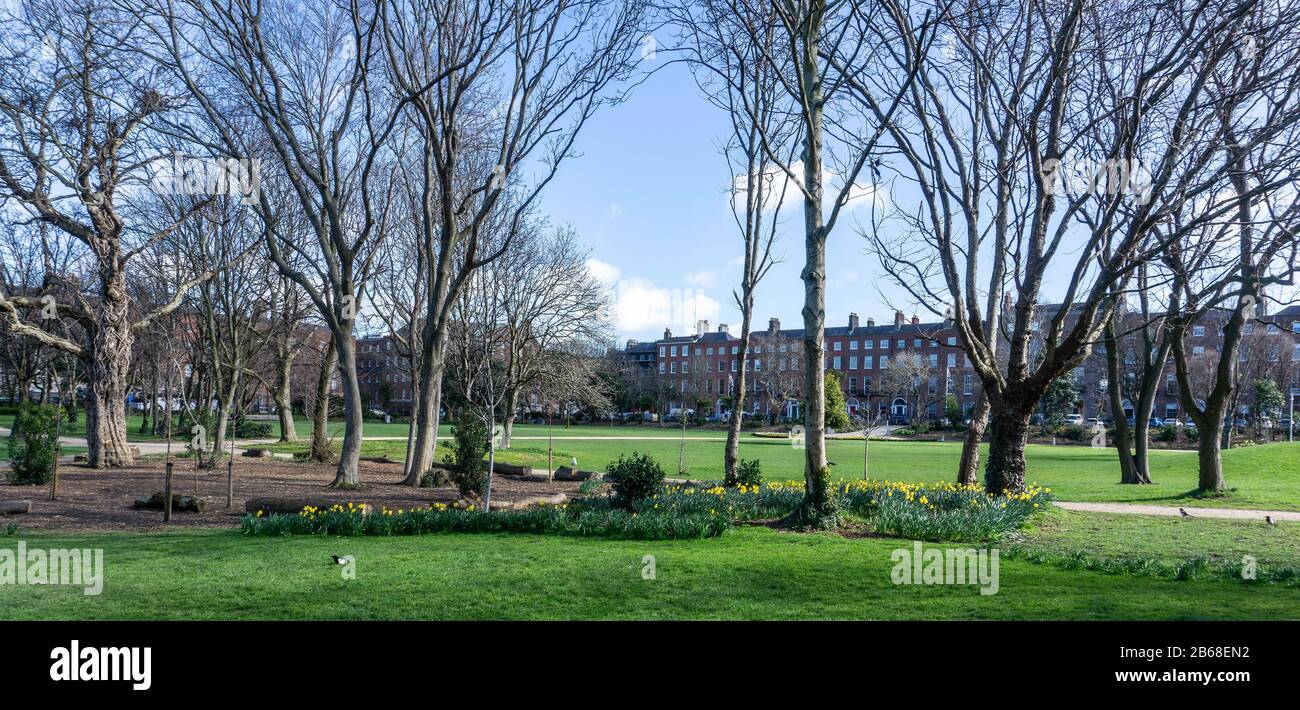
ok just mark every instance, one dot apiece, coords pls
pixel 703 367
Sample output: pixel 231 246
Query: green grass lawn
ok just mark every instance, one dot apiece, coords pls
pixel 1265 477
pixel 749 573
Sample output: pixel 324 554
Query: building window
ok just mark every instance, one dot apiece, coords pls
pixel 733 366
pixel 866 344
pixel 758 365
pixel 686 367
pixel 884 362
pixel 853 385
pixel 686 350
pixel 884 345
pixel 952 359
pixel 838 346
pixel 967 382
pixel 853 363
pixel 853 345
pixel 661 368
pixel 952 341
pixel 916 342
pixel 1198 350
pixel 836 363
pixel 1198 331
pixel 735 349
pixel 866 362
pixel 934 360
pixel 661 351
pixel 673 350
pixel 672 368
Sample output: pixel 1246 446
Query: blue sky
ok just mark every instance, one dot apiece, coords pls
pixel 647 195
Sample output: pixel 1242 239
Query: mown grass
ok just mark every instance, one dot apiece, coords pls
pixel 749 573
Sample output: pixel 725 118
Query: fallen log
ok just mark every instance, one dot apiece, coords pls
pixel 14 507
pixel 256 453
pixel 510 469
pixel 557 499
pixel 566 473
pixel 378 459
pixel 182 503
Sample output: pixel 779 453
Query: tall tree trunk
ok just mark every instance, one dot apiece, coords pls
pixel 109 359
pixel 1210 463
pixel 150 408
pixel 426 411
pixel 731 453
pixel 1128 469
pixel 508 421
pixel 968 467
pixel 225 404
pixel 320 438
pixel 347 474
pixel 1008 437
pixel 284 400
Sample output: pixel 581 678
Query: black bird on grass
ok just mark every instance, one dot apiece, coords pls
pixel 1184 513
pixel 339 560
pixel 1269 519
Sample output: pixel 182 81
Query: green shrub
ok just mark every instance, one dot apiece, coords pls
pixel 435 478
pixel 1073 432
pixel 748 473
pixel 633 479
pixel 903 431
pixel 469 445
pixel 1166 434
pixel 33 444
pixel 250 429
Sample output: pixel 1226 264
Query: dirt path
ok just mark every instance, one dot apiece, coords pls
pixel 1138 509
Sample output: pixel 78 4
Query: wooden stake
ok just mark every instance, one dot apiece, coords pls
pixel 167 494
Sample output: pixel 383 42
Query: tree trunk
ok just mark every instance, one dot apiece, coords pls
pixel 731 453
pixel 150 411
pixel 284 401
pixel 1008 436
pixel 1210 463
pixel 225 404
pixel 110 357
pixel 1128 470
pixel 347 474
pixel 508 421
pixel 426 411
pixel 320 438
pixel 968 468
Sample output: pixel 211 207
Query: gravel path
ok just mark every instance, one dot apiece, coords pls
pixel 1138 509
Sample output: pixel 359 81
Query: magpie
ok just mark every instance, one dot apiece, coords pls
pixel 1269 519
pixel 339 560
pixel 1184 513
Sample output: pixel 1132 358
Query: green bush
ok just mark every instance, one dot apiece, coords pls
pixel 250 429
pixel 33 444
pixel 903 431
pixel 633 479
pixel 748 473
pixel 469 445
pixel 1166 434
pixel 435 478
pixel 1073 432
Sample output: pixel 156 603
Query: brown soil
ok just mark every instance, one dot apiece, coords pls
pixel 98 500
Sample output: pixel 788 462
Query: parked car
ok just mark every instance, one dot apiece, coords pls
pixel 1075 419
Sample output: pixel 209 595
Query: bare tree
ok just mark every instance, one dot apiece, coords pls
pixel 1068 78
pixel 81 108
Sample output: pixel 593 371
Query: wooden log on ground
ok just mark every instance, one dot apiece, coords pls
pixel 256 453
pixel 292 505
pixel 510 469
pixel 566 473
pixel 557 499
pixel 378 459
pixel 180 503
pixel 15 507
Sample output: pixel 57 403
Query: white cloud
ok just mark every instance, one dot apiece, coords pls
pixel 603 271
pixel 615 209
pixel 642 305
pixel 702 279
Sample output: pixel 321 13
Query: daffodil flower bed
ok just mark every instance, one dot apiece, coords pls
pixel 936 512
pixel 918 511
pixel 593 520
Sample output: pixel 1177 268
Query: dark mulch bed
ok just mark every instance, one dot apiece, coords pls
pixel 101 500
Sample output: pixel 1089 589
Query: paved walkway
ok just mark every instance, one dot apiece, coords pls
pixel 1139 509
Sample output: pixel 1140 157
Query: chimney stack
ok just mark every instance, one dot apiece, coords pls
pixel 701 327
pixel 915 320
pixel 667 334
pixel 898 319
pixel 722 328
pixel 871 322
pixel 853 321
pixel 773 325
